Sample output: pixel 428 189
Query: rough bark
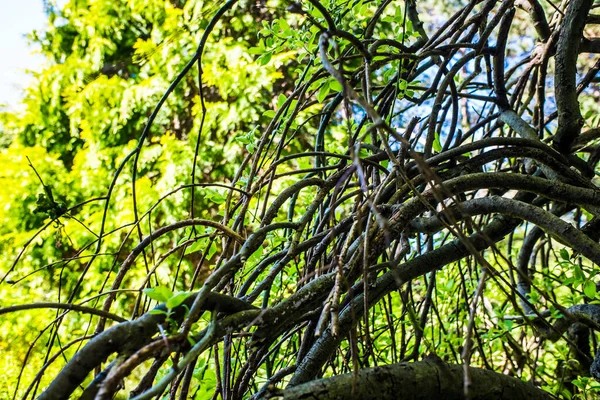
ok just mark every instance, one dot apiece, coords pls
pixel 429 379
pixel 569 115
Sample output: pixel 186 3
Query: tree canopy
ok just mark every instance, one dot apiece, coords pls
pixel 327 199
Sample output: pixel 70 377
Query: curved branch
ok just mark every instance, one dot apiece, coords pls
pixel 428 379
pixel 569 115
pixel 538 17
pixel 148 240
pixel 127 336
pixel 309 367
pixel 561 230
pixel 63 306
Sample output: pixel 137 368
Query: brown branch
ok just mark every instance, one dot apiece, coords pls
pixel 63 306
pixel 569 115
pixel 429 379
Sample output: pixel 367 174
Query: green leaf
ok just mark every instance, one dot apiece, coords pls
pixel 176 300
pixel 212 250
pixel 437 146
pixel 449 285
pixel 283 25
pixel 196 246
pixel 534 297
pixel 256 50
pixel 244 139
pixel 564 254
pixel 269 114
pixel 255 257
pixel 159 293
pixel 265 58
pixel 280 100
pixel 589 288
pixel 293 105
pixel 578 274
pixel 218 198
pixel 335 86
pixel 323 92
pixel 214 196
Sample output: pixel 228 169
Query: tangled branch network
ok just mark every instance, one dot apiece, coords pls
pixel 392 217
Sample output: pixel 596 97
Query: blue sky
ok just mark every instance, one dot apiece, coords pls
pixel 17 18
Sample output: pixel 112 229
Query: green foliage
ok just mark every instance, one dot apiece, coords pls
pixel 108 64
pixel 163 294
